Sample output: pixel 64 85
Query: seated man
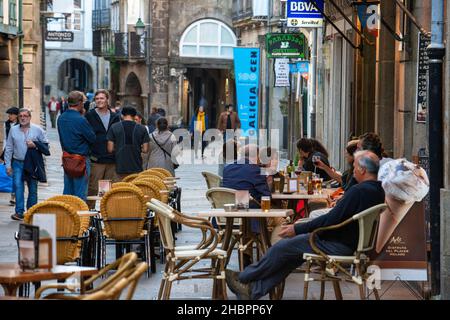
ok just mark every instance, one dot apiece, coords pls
pixel 245 174
pixel 287 254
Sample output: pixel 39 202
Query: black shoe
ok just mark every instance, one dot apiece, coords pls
pixel 16 217
pixel 241 290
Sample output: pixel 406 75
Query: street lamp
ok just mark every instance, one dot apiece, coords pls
pixel 140 29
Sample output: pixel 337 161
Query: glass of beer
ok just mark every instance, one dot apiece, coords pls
pixel 319 185
pixel 277 184
pixel 265 204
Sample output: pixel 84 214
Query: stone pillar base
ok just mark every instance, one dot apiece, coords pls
pixel 445 244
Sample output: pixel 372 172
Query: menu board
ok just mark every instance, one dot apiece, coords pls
pixel 422 79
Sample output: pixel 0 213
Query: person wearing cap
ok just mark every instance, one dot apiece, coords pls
pixel 76 138
pixel 13 114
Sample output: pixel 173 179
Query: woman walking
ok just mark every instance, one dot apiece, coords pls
pixel 199 124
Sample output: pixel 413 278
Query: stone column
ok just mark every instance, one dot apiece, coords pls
pixel 385 74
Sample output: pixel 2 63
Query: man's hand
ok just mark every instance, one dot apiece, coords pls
pixel 287 231
pixel 9 171
pixel 30 144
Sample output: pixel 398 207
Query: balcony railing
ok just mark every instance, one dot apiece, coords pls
pixel 101 19
pixel 129 45
pixel 102 44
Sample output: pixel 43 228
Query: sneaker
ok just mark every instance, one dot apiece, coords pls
pixel 241 290
pixel 16 217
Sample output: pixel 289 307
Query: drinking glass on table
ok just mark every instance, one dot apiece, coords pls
pixel 277 184
pixel 315 160
pixel 265 204
pixel 319 185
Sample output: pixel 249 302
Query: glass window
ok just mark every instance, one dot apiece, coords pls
pixel 77 4
pixel 77 21
pixel 208 38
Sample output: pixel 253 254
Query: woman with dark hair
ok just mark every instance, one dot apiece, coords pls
pixel 163 147
pixel 199 124
pixel 372 142
pixel 309 150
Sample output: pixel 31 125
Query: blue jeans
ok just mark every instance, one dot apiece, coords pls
pixel 19 186
pixel 283 258
pixel 78 186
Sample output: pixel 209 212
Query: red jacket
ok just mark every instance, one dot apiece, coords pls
pixel 58 106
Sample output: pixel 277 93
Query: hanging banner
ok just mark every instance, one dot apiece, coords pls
pixel 304 13
pixel 422 79
pixel 281 69
pixel 369 16
pixel 299 67
pixel 246 70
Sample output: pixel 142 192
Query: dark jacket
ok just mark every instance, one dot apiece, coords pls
pixel 33 165
pixel 99 152
pixel 75 133
pixel 246 177
pixel 235 121
pixel 194 119
pixel 308 165
pixel 357 199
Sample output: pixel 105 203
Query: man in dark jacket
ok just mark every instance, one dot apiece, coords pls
pixel 102 163
pixel 287 254
pixel 76 137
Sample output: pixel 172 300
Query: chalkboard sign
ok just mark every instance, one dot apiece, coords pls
pixel 422 79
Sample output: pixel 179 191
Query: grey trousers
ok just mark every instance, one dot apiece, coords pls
pixel 283 258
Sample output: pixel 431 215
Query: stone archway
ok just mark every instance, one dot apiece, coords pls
pixel 133 92
pixel 75 74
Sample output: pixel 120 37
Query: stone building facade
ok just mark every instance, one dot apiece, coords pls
pixel 32 57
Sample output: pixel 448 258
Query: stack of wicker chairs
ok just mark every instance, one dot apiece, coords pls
pixel 67 227
pixel 124 215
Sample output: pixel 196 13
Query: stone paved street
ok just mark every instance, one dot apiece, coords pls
pixel 193 199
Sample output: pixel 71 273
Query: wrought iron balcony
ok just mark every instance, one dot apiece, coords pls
pixel 118 45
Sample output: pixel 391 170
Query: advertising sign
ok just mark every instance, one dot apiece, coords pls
pixel 285 45
pixel 299 67
pixel 281 69
pixel 246 68
pixel 422 79
pixel 60 36
pixel 304 13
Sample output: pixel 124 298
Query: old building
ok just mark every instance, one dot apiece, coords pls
pixel 69 63
pixel 9 55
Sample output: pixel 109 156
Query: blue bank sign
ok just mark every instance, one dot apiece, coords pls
pixel 304 13
pixel 246 66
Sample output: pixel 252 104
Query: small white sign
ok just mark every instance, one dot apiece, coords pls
pixel 281 67
pixel 47 222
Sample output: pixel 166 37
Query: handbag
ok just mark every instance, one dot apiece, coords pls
pixel 175 165
pixel 74 164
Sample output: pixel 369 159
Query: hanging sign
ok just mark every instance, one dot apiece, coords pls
pixel 422 79
pixel 246 69
pixel 285 45
pixel 60 36
pixel 304 13
pixel 299 67
pixel 369 16
pixel 281 69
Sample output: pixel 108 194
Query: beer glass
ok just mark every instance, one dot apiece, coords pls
pixel 265 204
pixel 319 185
pixel 277 184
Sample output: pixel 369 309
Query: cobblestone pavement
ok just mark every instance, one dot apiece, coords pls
pixel 193 199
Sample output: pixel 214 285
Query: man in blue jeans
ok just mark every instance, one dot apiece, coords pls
pixel 76 136
pixel 20 139
pixel 281 259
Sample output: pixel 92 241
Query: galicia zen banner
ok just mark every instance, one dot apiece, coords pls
pixel 246 70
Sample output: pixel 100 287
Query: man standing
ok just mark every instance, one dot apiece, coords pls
pixel 287 254
pixel 228 120
pixel 154 116
pixel 20 139
pixel 13 114
pixel 102 163
pixel 53 108
pixel 127 140
pixel 76 136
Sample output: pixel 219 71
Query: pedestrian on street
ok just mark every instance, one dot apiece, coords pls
pixel 76 137
pixel 228 120
pixel 154 116
pixel 13 114
pixel 127 140
pixel 163 147
pixel 64 104
pixel 199 124
pixel 102 162
pixel 286 255
pixel 53 108
pixel 21 138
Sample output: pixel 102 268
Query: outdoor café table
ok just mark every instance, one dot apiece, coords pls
pixel 264 236
pixel 12 276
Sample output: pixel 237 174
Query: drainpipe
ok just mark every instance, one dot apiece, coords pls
pixel 20 64
pixel 436 52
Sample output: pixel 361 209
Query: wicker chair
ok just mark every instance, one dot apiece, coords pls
pixel 153 173
pixel 212 179
pixel 180 263
pixel 124 214
pixel 67 228
pixel 155 180
pixel 124 184
pixel 120 268
pixel 368 221
pixel 166 172
pixel 130 177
